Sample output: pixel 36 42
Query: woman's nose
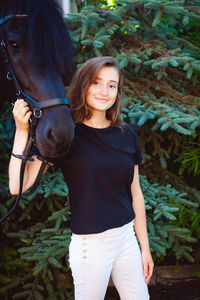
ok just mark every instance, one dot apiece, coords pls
pixel 104 90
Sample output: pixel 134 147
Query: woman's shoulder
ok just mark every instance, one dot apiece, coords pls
pixel 129 129
pixel 132 134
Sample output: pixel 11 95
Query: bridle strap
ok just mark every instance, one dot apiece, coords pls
pixel 11 17
pixel 43 104
pixel 35 105
pixel 22 169
pixel 39 176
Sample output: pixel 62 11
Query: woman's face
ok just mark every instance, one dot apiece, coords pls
pixel 102 93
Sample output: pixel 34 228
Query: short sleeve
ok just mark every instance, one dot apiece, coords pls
pixel 136 146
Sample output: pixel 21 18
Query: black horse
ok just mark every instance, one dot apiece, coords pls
pixel 41 55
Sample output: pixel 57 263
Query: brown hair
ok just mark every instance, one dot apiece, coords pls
pixel 82 80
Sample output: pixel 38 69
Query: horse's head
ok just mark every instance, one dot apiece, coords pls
pixel 40 53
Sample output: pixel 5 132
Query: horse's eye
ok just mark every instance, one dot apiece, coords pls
pixel 14 45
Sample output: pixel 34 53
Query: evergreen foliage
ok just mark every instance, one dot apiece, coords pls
pixel 190 158
pixel 157 45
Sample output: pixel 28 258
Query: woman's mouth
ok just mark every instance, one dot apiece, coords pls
pixel 102 99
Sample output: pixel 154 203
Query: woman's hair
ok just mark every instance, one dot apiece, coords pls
pixel 80 84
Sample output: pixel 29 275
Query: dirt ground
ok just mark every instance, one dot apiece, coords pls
pixel 181 291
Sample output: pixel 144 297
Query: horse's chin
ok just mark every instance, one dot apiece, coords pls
pixel 51 153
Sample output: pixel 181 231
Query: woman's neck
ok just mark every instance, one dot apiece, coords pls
pixel 98 120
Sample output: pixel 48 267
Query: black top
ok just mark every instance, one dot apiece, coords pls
pixel 98 170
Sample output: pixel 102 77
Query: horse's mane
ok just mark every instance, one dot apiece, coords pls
pixel 48 40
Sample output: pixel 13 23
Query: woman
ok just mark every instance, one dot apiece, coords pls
pixel 101 170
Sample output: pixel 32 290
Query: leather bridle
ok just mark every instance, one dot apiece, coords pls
pixel 36 108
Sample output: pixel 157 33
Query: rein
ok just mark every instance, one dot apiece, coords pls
pixel 36 108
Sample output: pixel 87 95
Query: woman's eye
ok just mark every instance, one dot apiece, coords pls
pixel 112 86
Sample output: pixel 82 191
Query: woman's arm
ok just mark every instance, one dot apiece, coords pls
pixel 140 225
pixel 22 115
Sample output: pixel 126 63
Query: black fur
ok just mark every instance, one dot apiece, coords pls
pixel 46 36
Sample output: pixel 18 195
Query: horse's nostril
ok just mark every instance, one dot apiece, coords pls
pixel 57 138
pixel 54 142
pixel 50 135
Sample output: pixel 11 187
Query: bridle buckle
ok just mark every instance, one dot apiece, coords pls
pixel 37 113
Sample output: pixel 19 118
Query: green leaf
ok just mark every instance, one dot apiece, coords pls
pixel 189 72
pixel 157 18
pixel 53 261
pixel 173 62
pixel 98 44
pixel 186 20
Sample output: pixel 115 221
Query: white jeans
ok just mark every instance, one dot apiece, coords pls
pixel 94 257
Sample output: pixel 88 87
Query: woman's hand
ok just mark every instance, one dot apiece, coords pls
pixel 22 114
pixel 148 265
